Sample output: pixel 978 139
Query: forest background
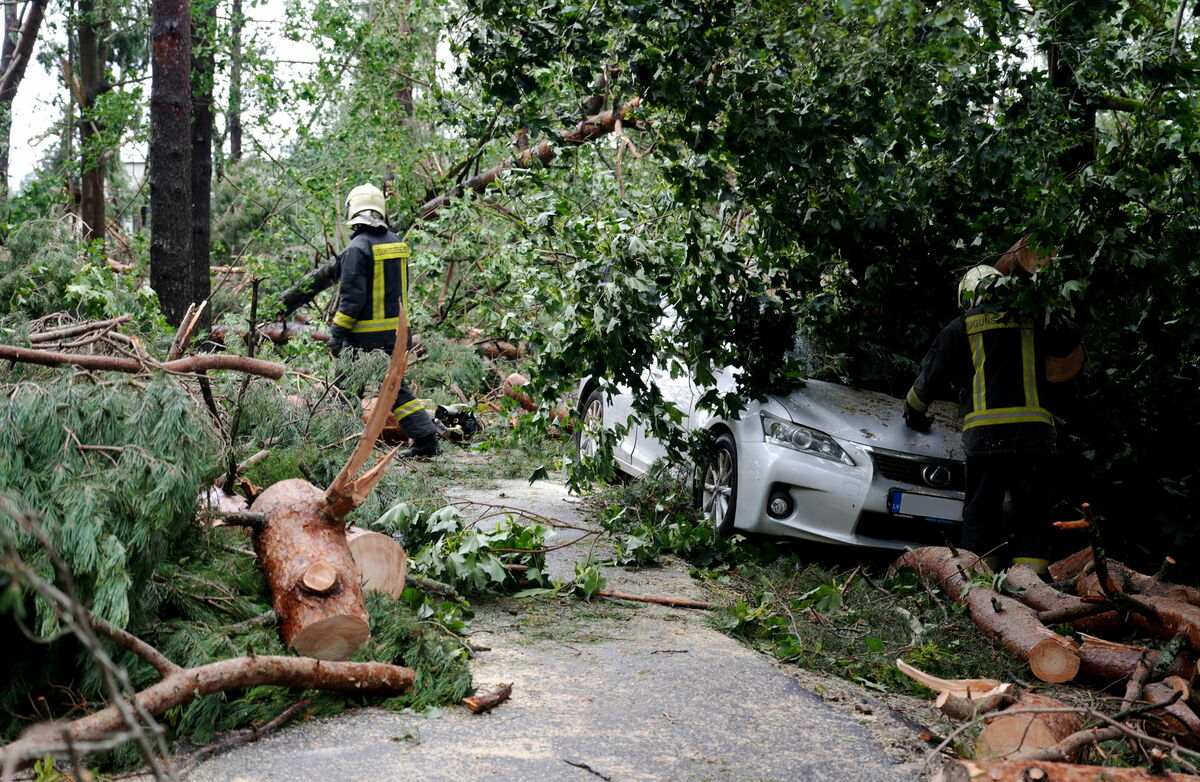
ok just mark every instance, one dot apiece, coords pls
pixel 833 166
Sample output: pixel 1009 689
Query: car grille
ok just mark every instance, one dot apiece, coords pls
pixel 911 469
pixel 886 527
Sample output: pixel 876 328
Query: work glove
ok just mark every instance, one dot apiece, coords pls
pixel 915 419
pixel 335 346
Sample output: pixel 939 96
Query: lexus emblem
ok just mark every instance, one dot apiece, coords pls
pixel 937 475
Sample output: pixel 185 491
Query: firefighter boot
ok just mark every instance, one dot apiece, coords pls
pixel 422 448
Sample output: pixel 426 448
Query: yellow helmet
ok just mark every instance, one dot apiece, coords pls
pixel 364 199
pixel 971 281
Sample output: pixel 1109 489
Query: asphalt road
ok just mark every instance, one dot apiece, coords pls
pixel 603 691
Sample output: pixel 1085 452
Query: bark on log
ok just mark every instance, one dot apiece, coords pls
pixel 1125 579
pixel 48 358
pixel 1043 771
pixel 330 623
pixel 1108 661
pixel 1176 721
pixel 1009 622
pixel 1056 607
pixel 1072 567
pixel 381 561
pixel 1010 734
pixel 1168 619
pixel 184 685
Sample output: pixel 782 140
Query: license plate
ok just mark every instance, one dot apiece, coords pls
pixel 925 506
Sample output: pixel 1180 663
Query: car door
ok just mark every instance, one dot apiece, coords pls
pixel 677 387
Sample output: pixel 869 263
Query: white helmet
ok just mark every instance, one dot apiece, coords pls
pixel 366 206
pixel 972 280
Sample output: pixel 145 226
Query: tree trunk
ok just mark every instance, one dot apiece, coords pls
pixel 314 582
pixel 235 83
pixel 203 30
pixel 1044 771
pixel 1009 734
pixel 171 158
pixel 381 561
pixel 92 59
pixel 1012 624
pixel 19 38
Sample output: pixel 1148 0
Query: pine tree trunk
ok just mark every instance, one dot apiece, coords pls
pixel 235 83
pixel 203 29
pixel 314 582
pixel 171 158
pixel 1009 734
pixel 92 59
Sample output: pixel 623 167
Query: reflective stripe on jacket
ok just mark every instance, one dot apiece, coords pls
pixel 1003 361
pixel 374 281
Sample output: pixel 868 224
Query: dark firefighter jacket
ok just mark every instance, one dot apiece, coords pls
pixel 374 280
pixel 1002 362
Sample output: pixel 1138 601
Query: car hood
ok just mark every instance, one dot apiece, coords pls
pixel 872 419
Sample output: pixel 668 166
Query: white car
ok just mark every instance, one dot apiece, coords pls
pixel 826 462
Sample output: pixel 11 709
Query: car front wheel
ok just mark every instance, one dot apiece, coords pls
pixel 716 490
pixel 587 437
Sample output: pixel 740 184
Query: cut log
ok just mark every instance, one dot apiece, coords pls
pixel 1009 622
pixel 1055 607
pixel 512 389
pixel 382 563
pixel 1011 733
pixel 1110 662
pixel 1176 721
pixel 298 536
pixel 1044 771
pixel 1132 582
pixel 488 701
pixel 392 431
pixel 1072 567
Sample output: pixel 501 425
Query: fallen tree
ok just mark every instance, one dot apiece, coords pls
pixel 541 153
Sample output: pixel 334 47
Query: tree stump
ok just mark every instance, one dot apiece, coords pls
pixel 314 582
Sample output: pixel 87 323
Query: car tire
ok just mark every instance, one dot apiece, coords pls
pixel 591 413
pixel 716 485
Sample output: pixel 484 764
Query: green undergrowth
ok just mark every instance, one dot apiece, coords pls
pixel 837 611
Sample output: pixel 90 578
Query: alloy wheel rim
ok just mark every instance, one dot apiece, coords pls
pixel 593 419
pixel 718 487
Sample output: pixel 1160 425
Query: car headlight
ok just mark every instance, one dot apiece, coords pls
pixel 802 438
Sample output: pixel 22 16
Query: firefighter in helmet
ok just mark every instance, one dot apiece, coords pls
pixel 1008 433
pixel 374 285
